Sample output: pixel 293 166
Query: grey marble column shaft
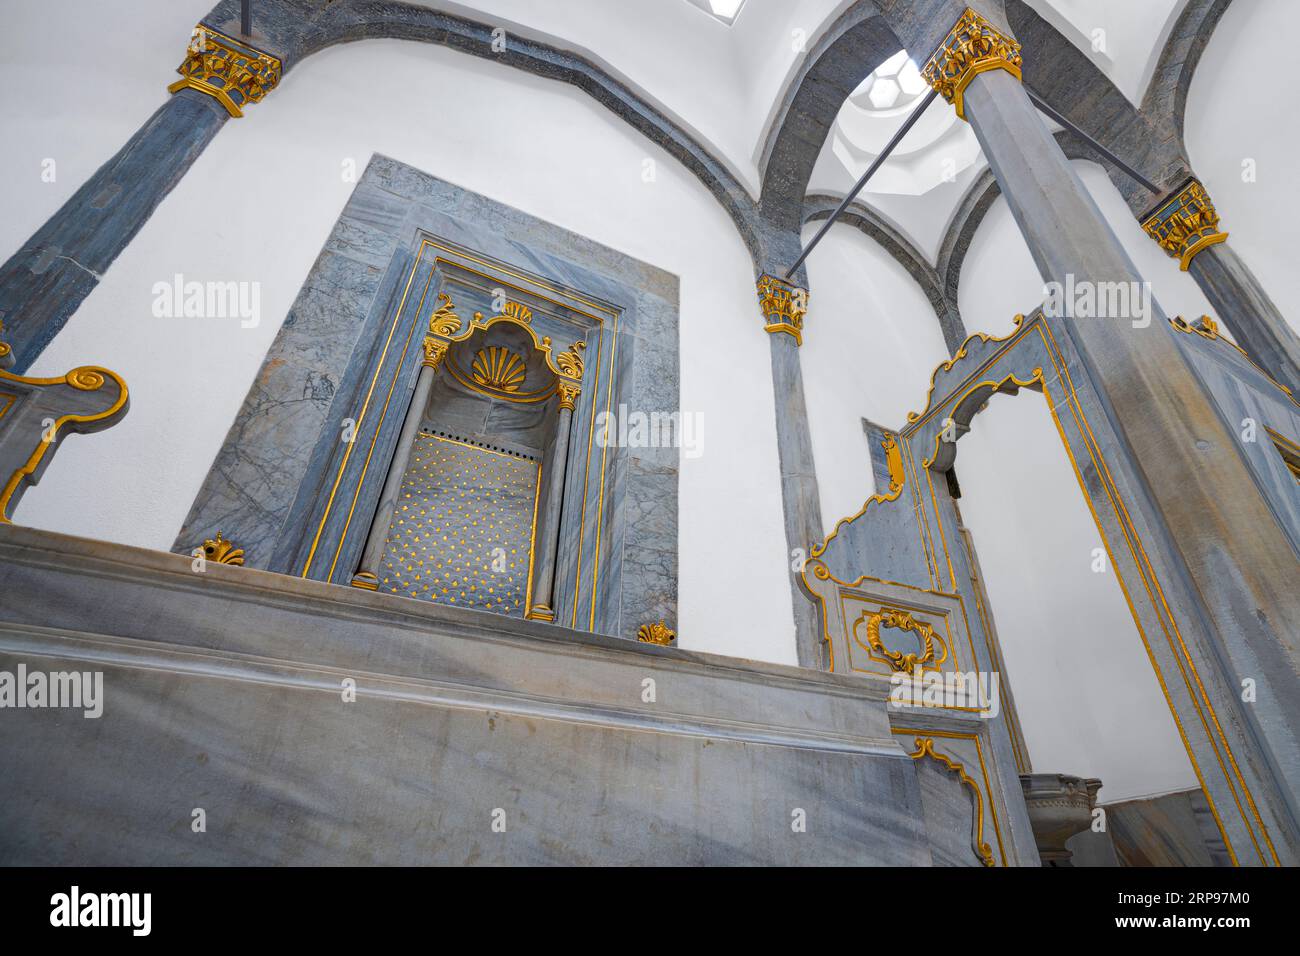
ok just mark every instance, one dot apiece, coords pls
pixel 544 579
pixel 44 282
pixel 800 497
pixel 368 571
pixel 1249 312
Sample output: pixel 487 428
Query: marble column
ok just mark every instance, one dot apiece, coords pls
pixel 1186 225
pixel 1210 539
pixel 44 282
pixel 784 306
pixel 367 575
pixel 541 606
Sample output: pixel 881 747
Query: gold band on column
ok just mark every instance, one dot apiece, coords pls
pixel 235 73
pixel 972 47
pixel 784 306
pixel 1185 223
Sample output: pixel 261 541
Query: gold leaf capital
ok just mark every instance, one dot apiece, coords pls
pixel 973 46
pixel 1185 223
pixel 784 306
pixel 233 72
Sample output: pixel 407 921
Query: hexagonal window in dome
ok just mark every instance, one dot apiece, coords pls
pixel 884 93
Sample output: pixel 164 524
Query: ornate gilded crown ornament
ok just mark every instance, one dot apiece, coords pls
pixel 517 311
pixel 222 67
pixel 972 47
pixel 1185 223
pixel 221 551
pixel 657 633
pixel 784 305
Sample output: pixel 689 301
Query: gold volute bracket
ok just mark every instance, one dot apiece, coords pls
pixel 232 72
pixel 656 633
pixel 1185 223
pixel 784 306
pixel 973 46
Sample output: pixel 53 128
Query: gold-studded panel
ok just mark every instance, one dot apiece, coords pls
pixel 462 533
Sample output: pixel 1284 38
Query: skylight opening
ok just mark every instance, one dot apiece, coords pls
pixel 724 10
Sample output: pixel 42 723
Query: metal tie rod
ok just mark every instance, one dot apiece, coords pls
pixel 1058 118
pixel 911 121
pixel 871 170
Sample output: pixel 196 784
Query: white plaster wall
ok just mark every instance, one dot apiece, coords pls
pixel 1235 114
pixel 1087 696
pixel 872 340
pixel 258 204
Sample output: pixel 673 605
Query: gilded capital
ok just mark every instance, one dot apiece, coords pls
pixel 233 72
pixel 972 47
pixel 784 305
pixel 569 392
pixel 434 351
pixel 1185 223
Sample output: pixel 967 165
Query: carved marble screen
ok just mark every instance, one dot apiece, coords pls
pixel 297 482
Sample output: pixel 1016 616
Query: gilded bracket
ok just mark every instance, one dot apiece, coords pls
pixel 925 749
pixel 233 72
pixel 1185 223
pixel 657 633
pixel 973 46
pixel 784 306
pixel 87 399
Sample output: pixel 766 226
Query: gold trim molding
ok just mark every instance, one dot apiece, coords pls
pixel 1185 223
pixel 222 67
pixel 973 46
pixel 784 306
pixel 657 633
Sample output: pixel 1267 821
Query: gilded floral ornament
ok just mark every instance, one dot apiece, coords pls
pixel 784 306
pixel 233 72
pixel 1185 223
pixel 444 320
pixel 972 47
pixel 221 551
pixel 6 353
pixel 570 362
pixel 657 633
